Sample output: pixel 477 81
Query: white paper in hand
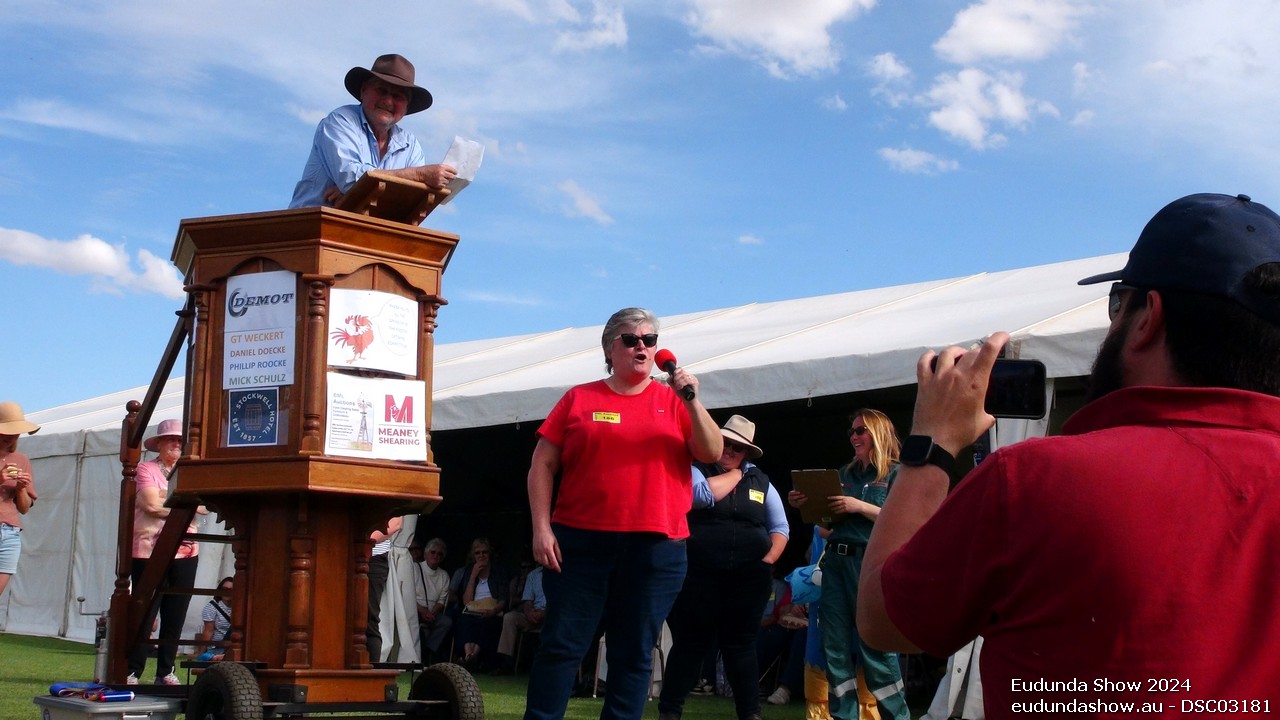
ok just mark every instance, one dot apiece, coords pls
pixel 464 156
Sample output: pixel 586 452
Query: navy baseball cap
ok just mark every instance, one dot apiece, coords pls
pixel 1205 243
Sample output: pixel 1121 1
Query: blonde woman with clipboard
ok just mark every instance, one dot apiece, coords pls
pixel 865 482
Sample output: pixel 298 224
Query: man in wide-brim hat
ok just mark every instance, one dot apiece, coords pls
pixel 355 139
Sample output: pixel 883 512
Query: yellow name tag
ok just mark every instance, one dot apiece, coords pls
pixel 609 417
pixel 756 496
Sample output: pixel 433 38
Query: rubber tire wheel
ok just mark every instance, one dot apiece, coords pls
pixel 451 682
pixel 225 691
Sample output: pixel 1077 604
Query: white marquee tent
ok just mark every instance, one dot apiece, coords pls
pixel 745 355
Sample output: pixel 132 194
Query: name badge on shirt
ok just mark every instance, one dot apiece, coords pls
pixel 609 417
pixel 756 495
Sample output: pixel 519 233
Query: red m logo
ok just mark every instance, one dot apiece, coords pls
pixel 402 413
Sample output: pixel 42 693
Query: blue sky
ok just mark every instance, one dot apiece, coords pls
pixel 677 154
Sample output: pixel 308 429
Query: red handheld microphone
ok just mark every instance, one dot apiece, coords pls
pixel 667 361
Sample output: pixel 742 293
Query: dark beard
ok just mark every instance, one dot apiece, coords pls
pixel 1107 375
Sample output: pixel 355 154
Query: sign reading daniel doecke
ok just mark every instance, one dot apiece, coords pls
pixel 258 336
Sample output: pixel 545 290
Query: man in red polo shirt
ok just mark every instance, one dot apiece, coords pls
pixel 1129 565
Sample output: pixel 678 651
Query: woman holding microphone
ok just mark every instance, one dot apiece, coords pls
pixel 613 546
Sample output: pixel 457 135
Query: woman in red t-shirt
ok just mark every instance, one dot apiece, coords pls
pixel 614 545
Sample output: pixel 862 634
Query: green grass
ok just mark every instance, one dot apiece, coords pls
pixel 28 665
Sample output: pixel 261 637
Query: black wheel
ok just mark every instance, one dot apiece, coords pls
pixel 450 682
pixel 225 691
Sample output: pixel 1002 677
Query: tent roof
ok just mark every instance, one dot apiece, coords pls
pixel 749 354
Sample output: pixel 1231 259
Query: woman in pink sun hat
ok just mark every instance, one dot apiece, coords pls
pixel 149 513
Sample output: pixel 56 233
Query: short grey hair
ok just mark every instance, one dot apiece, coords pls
pixel 632 316
pixel 434 543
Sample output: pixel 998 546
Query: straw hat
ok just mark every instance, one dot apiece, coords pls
pixel 743 431
pixel 168 428
pixel 13 422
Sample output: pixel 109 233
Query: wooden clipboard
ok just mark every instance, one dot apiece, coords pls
pixel 380 195
pixel 817 485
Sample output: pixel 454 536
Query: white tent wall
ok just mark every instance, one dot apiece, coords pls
pixel 69 539
pixel 747 355
pixel 35 602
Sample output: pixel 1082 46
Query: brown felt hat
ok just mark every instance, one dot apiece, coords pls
pixel 395 70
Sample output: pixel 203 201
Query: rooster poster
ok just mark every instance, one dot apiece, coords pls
pixel 373 330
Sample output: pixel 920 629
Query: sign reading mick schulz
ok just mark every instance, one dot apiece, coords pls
pixel 258 332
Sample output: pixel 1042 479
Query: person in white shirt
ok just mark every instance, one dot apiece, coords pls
pixel 431 590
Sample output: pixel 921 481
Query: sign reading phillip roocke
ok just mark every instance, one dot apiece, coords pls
pixel 258 339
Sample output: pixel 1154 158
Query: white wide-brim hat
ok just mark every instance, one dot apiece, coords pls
pixel 743 431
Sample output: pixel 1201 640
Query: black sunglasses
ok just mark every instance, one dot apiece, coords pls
pixel 631 340
pixel 1115 300
pixel 859 431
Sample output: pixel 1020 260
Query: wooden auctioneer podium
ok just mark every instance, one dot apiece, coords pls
pixel 308 425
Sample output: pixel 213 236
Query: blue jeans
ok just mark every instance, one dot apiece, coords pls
pixel 628 579
pixel 10 548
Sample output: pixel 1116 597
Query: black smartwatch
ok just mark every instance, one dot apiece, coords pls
pixel 920 450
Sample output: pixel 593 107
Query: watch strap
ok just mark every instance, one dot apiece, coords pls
pixel 937 455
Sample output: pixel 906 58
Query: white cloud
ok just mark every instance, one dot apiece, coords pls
pixel 1084 118
pixel 917 162
pixel 107 264
pixel 1202 75
pixel 786 38
pixel 307 116
pixel 886 66
pixel 525 10
pixel 834 103
pixel 1010 30
pixel 1081 76
pixel 503 298
pixel 583 204
pixel 749 240
pixel 64 116
pixel 891 76
pixel 608 29
pixel 969 102
pixel 519 8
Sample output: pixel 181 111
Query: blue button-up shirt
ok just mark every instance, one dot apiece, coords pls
pixel 344 149
pixel 533 589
